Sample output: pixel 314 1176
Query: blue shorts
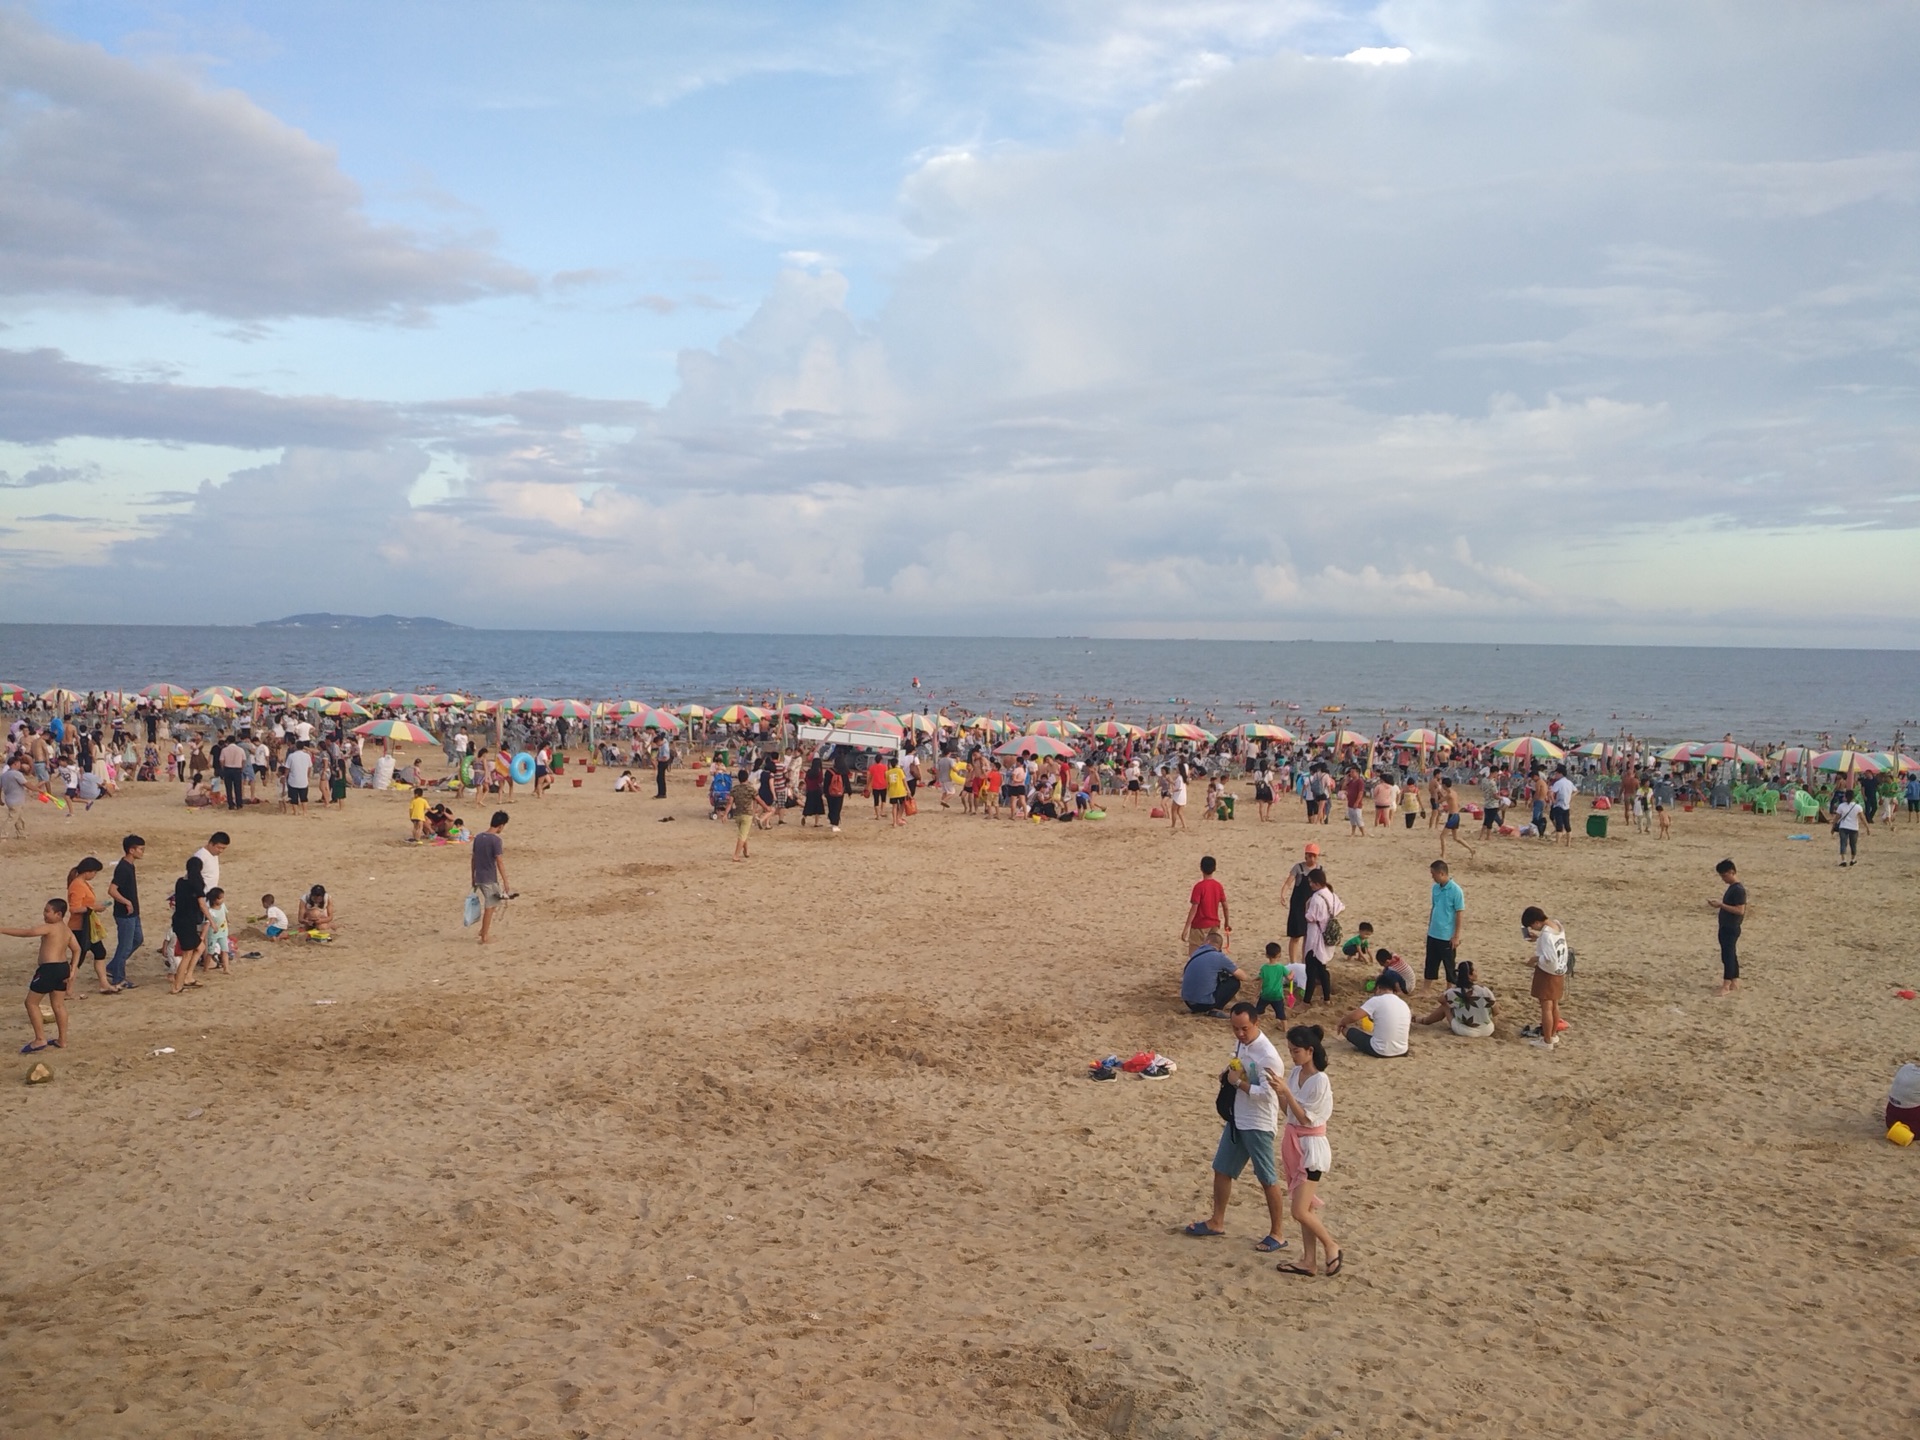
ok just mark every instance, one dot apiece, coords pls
pixel 1453 822
pixel 1238 1146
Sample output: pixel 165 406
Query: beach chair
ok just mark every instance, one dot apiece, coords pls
pixel 1805 806
pixel 1765 802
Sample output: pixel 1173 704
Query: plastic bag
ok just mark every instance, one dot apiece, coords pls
pixel 473 908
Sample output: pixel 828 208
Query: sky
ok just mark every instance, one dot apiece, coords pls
pixel 1483 321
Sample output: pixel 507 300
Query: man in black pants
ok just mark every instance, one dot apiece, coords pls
pixel 662 759
pixel 233 766
pixel 1210 980
pixel 1733 913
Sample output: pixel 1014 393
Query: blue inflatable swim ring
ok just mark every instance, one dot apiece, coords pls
pixel 522 771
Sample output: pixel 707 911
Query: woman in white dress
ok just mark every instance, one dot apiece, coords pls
pixel 1177 797
pixel 1306 1098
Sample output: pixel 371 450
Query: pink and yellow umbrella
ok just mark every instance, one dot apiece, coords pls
pixel 13 694
pixel 1058 729
pixel 1339 739
pixel 877 722
pixel 1181 730
pixel 1531 747
pixel 269 693
pixel 1893 764
pixel 569 710
pixel 1115 730
pixel 400 730
pixel 648 718
pixel 1423 739
pixel 800 710
pixel 1045 745
pixel 1256 730
pixel 1677 754
pixel 1847 762
pixel 741 715
pixel 1726 750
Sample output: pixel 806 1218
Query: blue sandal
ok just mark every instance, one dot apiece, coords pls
pixel 1200 1230
pixel 1268 1244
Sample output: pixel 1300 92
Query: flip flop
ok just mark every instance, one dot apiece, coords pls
pixel 1267 1244
pixel 1333 1265
pixel 32 1049
pixel 1199 1229
pixel 1289 1268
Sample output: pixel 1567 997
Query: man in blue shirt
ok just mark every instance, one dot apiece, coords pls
pixel 1445 922
pixel 1210 980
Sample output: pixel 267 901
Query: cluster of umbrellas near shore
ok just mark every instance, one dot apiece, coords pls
pixel 1039 737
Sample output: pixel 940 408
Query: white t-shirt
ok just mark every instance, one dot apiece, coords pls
pixel 1847 816
pixel 276 918
pixel 1258 1108
pixel 1178 794
pixel 303 730
pixel 1391 1019
pixel 209 866
pixel 1321 908
pixel 460 743
pixel 1550 951
pixel 1562 791
pixel 299 769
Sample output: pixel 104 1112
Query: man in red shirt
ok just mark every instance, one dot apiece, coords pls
pixel 1355 787
pixel 877 787
pixel 1207 910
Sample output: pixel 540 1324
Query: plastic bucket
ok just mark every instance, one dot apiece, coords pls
pixel 1597 826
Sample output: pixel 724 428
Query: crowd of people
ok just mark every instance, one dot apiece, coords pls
pixel 199 940
pixel 1265 1103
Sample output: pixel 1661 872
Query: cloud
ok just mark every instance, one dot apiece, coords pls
pixel 1303 346
pixel 138 182
pixel 49 475
pixel 45 396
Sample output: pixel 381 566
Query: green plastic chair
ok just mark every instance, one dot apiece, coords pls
pixel 1765 802
pixel 1805 806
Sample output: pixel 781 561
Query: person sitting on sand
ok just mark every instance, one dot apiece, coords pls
pixel 1465 1005
pixel 316 910
pixel 1379 1027
pixel 1210 980
pixel 1903 1099
pixel 276 919
pixel 1391 963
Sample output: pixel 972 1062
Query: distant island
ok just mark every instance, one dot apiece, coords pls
pixel 325 621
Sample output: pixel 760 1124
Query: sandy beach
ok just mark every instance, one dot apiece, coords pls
pixel 804 1146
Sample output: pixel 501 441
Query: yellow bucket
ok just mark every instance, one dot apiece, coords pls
pixel 1900 1134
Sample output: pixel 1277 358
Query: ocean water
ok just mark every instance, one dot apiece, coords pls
pixel 1656 693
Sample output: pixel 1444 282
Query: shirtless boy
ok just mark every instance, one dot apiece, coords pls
pixel 52 976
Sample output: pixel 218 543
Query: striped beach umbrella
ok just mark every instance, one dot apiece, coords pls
pixel 1847 762
pixel 919 724
pixel 1259 730
pixel 1726 750
pixel 648 718
pixel 60 697
pixel 382 697
pixel 569 710
pixel 1423 739
pixel 1893 764
pixel 878 722
pixel 271 693
pixel 1035 745
pixel 401 730
pixel 1058 729
pixel 986 724
pixel 11 694
pixel 1339 739
pixel 1181 730
pixel 741 715
pixel 161 690
pixel 1531 747
pixel 800 710
pixel 1792 755
pixel 1595 749
pixel 328 692
pixel 452 699
pixel 1677 754
pixel 693 712
pixel 337 708
pixel 217 698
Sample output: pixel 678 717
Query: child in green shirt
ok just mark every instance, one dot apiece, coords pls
pixel 1359 946
pixel 1277 979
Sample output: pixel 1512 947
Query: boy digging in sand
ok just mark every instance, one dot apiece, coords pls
pixel 58 952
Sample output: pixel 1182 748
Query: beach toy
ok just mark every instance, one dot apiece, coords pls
pixel 1366 1023
pixel 1900 1134
pixel 522 769
pixel 1799 837
pixel 1602 803
pixel 576 782
pixel 1905 994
